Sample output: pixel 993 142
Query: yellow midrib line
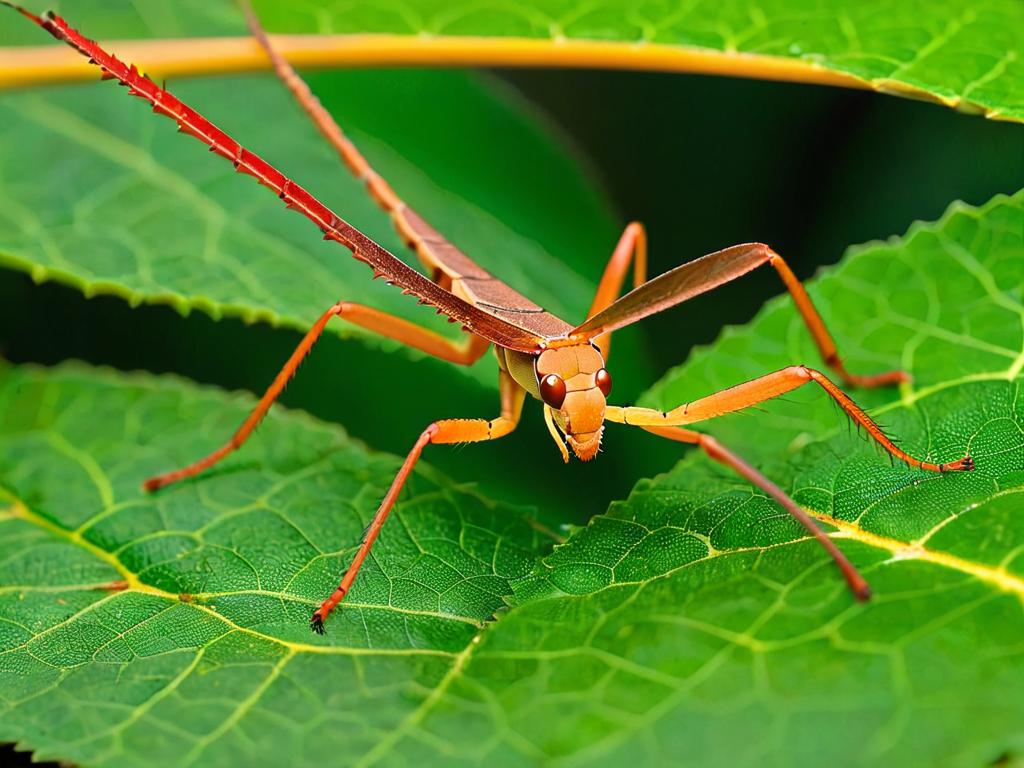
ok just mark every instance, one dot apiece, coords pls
pixel 33 65
pixel 20 511
pixel 902 550
pixel 134 584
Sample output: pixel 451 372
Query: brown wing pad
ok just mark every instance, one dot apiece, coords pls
pixel 475 284
pixel 674 287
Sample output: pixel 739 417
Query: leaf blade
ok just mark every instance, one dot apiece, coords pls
pixel 689 613
pixel 725 630
pixel 179 589
pixel 966 58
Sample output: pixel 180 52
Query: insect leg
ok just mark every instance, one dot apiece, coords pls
pixel 445 431
pixel 764 388
pixel 410 334
pixel 822 338
pixel 631 248
pixel 723 455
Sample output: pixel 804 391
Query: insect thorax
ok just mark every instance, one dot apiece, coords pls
pixel 520 366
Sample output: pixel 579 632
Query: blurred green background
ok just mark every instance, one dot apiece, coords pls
pixel 703 162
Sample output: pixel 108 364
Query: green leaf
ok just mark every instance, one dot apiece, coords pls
pixel 143 213
pixel 964 55
pixel 133 619
pixel 693 620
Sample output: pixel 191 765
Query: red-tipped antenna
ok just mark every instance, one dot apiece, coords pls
pixel 383 263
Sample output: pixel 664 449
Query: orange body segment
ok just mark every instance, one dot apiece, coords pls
pixel 579 408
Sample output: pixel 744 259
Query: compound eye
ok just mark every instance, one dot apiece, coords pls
pixel 604 381
pixel 552 390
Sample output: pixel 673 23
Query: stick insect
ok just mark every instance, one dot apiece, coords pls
pixel 538 354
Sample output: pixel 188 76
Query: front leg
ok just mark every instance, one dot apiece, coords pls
pixel 444 431
pixel 751 393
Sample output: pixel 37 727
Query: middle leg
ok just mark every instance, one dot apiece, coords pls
pixel 465 352
pixel 759 390
pixel 444 431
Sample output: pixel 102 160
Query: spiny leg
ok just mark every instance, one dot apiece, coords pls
pixel 445 431
pixel 631 248
pixel 723 455
pixel 396 328
pixel 751 393
pixel 764 388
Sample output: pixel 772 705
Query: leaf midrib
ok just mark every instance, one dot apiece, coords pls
pixel 18 510
pixel 916 550
pixel 33 65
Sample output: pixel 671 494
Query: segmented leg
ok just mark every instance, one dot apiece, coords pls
pixel 758 390
pixel 445 431
pixel 465 353
pixel 631 248
pixel 822 338
pixel 723 455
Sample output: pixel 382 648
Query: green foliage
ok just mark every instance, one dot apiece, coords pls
pixel 254 550
pixel 140 206
pixel 966 55
pixel 693 621
pixel 689 613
